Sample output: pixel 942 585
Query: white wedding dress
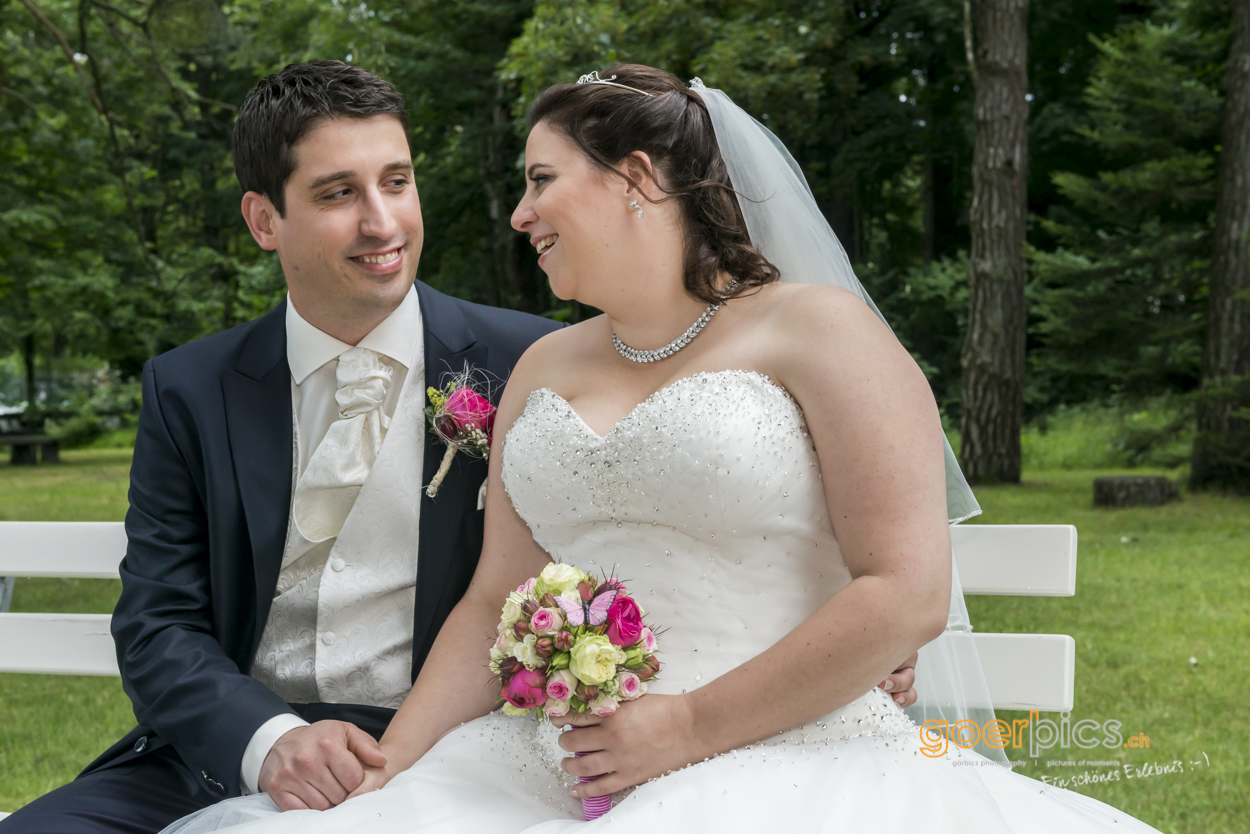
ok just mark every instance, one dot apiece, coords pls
pixel 707 500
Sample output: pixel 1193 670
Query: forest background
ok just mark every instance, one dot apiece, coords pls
pixel 120 233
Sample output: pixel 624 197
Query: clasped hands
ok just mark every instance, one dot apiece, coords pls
pixel 319 766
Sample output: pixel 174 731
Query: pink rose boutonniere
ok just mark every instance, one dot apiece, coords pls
pixel 463 419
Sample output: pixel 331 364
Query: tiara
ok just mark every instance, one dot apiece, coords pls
pixel 593 78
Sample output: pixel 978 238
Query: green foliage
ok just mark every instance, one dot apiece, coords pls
pixel 120 235
pixel 1118 302
pixel 1157 433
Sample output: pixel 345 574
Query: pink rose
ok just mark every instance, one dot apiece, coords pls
pixel 470 410
pixel 630 685
pixel 525 689
pixel 603 706
pixel 559 689
pixel 525 589
pixel 624 621
pixel 546 621
pixel 556 709
pixel 648 640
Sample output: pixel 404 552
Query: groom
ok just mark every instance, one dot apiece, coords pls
pixel 286 575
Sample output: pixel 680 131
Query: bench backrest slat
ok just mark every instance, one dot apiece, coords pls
pixel 1034 560
pixel 1023 671
pixel 57 644
pixel 69 549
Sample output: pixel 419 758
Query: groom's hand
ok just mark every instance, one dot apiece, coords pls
pixel 899 683
pixel 318 766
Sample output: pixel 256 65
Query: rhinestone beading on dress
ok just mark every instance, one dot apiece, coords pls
pixel 707 499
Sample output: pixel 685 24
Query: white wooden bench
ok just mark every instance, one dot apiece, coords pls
pixel 1023 671
pixel 57 644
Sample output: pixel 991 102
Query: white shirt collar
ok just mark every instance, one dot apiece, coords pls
pixel 398 337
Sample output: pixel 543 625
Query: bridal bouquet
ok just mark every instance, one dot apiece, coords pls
pixel 569 644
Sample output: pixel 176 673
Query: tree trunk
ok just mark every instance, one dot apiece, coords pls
pixel 509 286
pixel 1222 447
pixel 28 360
pixel 1133 491
pixel 993 352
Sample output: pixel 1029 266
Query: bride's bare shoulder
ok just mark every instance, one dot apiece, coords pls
pixel 803 315
pixel 555 356
pixel 827 339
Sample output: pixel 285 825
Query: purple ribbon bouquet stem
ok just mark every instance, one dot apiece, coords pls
pixel 593 807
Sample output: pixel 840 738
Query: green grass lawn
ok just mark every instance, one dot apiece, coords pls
pixel 1155 587
pixel 51 726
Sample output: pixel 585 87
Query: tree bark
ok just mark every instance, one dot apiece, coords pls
pixel 510 291
pixel 993 352
pixel 28 362
pixel 1222 446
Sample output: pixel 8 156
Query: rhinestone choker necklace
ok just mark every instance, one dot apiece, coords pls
pixel 635 355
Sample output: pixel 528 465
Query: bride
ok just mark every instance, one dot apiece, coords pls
pixel 771 480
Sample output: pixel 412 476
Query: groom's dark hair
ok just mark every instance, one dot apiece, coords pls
pixel 284 107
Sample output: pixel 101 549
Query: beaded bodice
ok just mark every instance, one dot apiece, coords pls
pixel 707 500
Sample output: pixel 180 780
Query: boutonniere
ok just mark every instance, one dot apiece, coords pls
pixel 463 419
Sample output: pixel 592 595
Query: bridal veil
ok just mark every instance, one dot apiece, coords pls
pixel 788 227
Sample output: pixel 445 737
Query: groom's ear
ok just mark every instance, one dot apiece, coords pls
pixel 259 213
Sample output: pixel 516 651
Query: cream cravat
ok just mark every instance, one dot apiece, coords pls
pixel 327 490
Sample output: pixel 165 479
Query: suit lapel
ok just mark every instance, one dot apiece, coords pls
pixel 449 344
pixel 258 419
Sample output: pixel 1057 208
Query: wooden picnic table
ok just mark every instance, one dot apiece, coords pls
pixel 24 447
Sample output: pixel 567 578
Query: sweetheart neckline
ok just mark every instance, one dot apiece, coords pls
pixel 633 411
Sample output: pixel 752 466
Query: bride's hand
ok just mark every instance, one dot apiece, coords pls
pixel 375 778
pixel 901 683
pixel 644 738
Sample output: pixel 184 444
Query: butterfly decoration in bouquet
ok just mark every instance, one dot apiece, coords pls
pixel 570 644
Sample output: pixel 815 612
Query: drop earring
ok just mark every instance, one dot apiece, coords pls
pixel 633 204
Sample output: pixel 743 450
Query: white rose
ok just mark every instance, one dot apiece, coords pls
pixel 511 610
pixel 557 578
pixel 525 652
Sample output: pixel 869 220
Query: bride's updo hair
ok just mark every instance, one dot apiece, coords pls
pixel 673 128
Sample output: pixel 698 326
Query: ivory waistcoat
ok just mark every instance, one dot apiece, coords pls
pixel 340 627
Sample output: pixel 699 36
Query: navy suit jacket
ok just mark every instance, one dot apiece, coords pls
pixel 210 494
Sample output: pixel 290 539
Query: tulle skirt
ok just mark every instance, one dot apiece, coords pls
pixel 499 775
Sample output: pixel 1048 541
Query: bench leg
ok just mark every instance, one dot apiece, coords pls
pixel 23 454
pixel 6 592
pixel 50 453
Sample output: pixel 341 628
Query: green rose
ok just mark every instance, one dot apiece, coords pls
pixel 557 578
pixel 594 659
